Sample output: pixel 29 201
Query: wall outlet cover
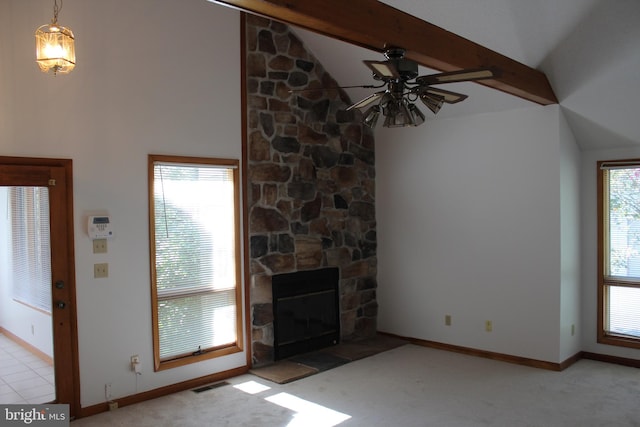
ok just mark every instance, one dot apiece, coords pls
pixel 100 270
pixel 100 246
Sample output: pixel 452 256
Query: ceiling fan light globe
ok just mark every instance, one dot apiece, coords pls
pixel 416 114
pixel 389 107
pixel 397 121
pixel 389 122
pixel 398 115
pixel 407 115
pixel 371 116
pixel 432 102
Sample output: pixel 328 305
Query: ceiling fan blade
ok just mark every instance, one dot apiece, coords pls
pixel 316 89
pixel 458 76
pixel 383 69
pixel 446 95
pixel 368 100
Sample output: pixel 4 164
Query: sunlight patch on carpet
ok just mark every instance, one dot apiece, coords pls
pixel 308 414
pixel 252 387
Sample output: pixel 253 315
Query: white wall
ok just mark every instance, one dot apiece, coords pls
pixel 152 76
pixel 469 224
pixel 30 325
pixel 589 208
pixel 570 285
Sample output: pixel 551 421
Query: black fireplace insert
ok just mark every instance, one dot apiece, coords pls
pixel 306 311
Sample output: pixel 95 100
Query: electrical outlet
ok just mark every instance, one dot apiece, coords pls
pixel 100 246
pixel 488 326
pixel 573 330
pixel 447 320
pixel 107 391
pixel 135 364
pixel 100 270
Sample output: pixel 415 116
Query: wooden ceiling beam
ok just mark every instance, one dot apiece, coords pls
pixel 375 25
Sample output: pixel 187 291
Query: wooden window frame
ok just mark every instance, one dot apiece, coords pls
pixel 603 279
pixel 220 351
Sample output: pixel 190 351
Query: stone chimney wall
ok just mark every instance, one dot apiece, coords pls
pixel 311 182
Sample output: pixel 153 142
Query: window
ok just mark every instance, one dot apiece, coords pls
pixel 619 253
pixel 195 259
pixel 29 246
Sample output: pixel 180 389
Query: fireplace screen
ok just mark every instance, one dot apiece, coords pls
pixel 306 311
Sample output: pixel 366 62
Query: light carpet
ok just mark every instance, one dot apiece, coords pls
pixel 405 386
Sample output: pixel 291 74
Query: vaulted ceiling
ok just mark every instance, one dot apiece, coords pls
pixel 585 53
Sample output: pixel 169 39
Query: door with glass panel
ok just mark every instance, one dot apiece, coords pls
pixel 38 339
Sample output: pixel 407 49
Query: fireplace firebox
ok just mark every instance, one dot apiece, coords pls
pixel 306 311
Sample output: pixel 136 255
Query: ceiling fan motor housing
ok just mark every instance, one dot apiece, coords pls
pixel 406 68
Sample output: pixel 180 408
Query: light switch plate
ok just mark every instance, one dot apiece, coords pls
pixel 100 246
pixel 100 270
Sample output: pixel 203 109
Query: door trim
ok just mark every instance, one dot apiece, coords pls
pixel 65 328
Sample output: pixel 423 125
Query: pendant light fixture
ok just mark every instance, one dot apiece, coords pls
pixel 55 50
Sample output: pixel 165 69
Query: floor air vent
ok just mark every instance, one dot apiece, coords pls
pixel 210 387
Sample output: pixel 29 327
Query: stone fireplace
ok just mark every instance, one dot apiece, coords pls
pixel 310 184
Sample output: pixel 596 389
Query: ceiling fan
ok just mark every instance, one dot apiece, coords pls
pixel 396 102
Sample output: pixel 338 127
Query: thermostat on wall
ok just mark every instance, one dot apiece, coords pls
pixel 100 227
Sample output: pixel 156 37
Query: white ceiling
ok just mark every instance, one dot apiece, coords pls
pixel 589 50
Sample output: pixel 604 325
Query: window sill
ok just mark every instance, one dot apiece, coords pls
pixel 187 360
pixel 618 341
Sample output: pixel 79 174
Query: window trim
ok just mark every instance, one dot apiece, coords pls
pixel 603 280
pixel 224 350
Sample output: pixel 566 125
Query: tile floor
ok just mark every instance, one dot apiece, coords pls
pixel 24 377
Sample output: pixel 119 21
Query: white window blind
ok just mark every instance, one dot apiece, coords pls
pixel 194 226
pixel 622 262
pixel 623 311
pixel 31 250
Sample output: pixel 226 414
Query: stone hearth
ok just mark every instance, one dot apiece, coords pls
pixel 311 182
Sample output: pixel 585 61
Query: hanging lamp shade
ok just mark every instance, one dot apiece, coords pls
pixel 55 50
